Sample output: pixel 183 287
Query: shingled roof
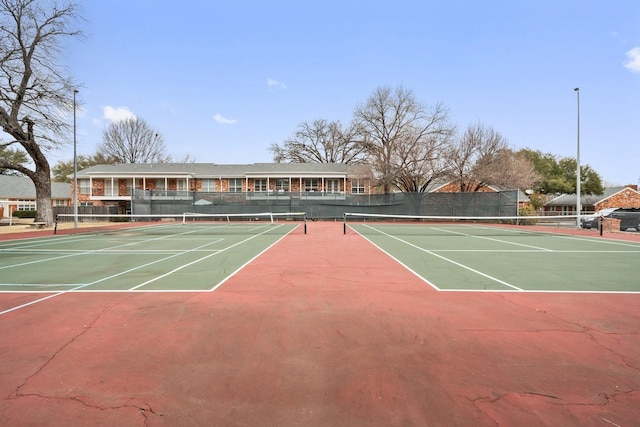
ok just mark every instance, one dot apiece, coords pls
pixel 204 170
pixel 20 187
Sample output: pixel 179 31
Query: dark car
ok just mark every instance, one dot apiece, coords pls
pixel 629 218
pixel 592 221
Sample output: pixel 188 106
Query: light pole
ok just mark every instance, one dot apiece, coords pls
pixel 578 204
pixel 75 165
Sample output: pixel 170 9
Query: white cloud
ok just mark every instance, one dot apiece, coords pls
pixel 633 63
pixel 117 114
pixel 275 83
pixel 223 120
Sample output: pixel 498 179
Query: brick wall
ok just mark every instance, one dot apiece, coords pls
pixel 627 198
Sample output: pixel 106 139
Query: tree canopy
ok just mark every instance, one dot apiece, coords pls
pixel 63 170
pixel 559 174
pixel 12 156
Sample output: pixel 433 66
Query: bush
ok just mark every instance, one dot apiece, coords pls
pixel 24 214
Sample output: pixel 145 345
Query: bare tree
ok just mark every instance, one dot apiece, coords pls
pixel 509 169
pixel 35 92
pixel 133 141
pixel 405 139
pixel 476 158
pixel 322 141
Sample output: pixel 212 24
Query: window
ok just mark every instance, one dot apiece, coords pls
pixel 235 185
pixel 128 187
pixel 282 184
pixel 26 205
pixel 108 187
pixel 311 184
pixel 357 186
pixel 59 202
pixel 208 185
pixel 84 186
pixel 333 186
pixel 260 185
pixel 181 184
pixel 160 184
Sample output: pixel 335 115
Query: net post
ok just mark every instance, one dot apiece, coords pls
pixel 344 223
pixel 601 224
pixel 55 225
pixel 305 223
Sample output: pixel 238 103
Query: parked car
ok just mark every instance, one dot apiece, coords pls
pixel 629 218
pixel 592 221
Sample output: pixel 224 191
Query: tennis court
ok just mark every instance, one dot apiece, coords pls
pixel 357 325
pixel 467 256
pixel 165 255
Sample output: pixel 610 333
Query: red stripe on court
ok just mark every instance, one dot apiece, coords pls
pixel 322 329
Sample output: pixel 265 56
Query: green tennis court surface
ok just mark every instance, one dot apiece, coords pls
pixel 200 256
pixel 192 257
pixel 479 257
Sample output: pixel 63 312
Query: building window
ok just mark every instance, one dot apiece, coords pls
pixel 59 202
pixel 282 184
pixel 208 185
pixel 181 184
pixel 260 185
pixel 160 184
pixel 84 186
pixel 26 205
pixel 333 185
pixel 357 186
pixel 311 184
pixel 108 187
pixel 235 185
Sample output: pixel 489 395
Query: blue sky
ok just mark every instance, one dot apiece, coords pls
pixel 222 81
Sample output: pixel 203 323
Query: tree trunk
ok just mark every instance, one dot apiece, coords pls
pixel 41 177
pixel 42 182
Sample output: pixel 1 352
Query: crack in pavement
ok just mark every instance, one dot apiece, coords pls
pixel 46 363
pixel 584 329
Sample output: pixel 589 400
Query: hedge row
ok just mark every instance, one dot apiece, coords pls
pixel 24 214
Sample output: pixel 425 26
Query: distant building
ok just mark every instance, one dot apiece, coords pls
pixel 111 185
pixel 613 197
pixel 19 193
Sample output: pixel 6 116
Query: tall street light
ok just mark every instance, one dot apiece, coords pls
pixel 578 204
pixel 75 165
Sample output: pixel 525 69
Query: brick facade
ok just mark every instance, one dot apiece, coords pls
pixel 626 198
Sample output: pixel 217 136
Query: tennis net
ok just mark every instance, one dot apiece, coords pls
pixel 448 225
pixel 196 223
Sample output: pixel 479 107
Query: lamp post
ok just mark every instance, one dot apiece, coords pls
pixel 75 165
pixel 578 204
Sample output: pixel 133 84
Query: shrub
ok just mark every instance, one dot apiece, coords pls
pixel 24 214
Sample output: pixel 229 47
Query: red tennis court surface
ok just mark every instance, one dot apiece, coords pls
pixel 321 330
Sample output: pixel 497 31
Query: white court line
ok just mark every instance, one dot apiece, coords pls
pixel 94 251
pixel 445 259
pixel 201 259
pixel 79 287
pixel 492 239
pixel 96 281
